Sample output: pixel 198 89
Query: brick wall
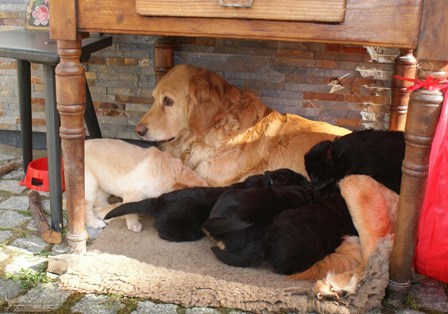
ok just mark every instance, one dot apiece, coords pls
pixel 340 84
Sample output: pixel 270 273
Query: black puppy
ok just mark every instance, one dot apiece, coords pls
pixel 178 215
pixel 242 214
pixel 288 241
pixel 376 153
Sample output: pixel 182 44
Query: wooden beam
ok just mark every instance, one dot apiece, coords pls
pixel 393 23
pixel 433 42
pixel 63 20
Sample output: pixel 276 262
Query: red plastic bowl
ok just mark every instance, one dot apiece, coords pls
pixel 36 177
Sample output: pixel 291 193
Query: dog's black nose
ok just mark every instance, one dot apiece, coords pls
pixel 140 129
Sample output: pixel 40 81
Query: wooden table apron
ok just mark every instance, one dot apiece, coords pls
pixel 406 24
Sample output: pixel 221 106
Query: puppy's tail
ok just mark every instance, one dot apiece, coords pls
pixel 216 227
pixel 346 257
pixel 147 207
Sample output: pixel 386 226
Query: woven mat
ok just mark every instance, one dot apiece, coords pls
pixel 145 266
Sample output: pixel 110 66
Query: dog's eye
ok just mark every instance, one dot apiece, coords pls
pixel 168 101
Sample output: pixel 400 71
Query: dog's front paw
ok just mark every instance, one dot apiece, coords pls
pixel 334 286
pixel 95 223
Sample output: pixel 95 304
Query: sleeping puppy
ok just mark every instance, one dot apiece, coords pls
pixel 178 215
pixel 373 208
pixel 289 238
pixel 114 167
pixel 378 154
pixel 248 212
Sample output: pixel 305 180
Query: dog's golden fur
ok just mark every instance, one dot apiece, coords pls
pixel 114 167
pixel 346 257
pixel 223 133
pixel 373 208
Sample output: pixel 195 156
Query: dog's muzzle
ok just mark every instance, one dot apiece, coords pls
pixel 141 130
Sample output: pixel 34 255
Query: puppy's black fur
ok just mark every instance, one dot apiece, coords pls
pixel 248 212
pixel 178 215
pixel 376 153
pixel 287 240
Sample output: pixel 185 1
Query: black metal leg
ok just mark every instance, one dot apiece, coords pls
pixel 90 116
pixel 24 90
pixel 53 148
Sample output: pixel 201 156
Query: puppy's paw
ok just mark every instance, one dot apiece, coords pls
pixel 135 227
pixel 95 223
pixel 133 223
pixel 334 286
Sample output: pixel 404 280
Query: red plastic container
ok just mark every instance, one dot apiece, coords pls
pixel 36 177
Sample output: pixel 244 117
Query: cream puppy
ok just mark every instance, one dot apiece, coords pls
pixel 115 167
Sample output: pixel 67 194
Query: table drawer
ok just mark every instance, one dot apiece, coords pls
pixel 290 10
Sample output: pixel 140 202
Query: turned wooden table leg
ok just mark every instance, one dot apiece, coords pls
pixel 423 116
pixel 405 65
pixel 70 99
pixel 163 56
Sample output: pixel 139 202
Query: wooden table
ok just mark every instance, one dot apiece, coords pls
pixel 406 24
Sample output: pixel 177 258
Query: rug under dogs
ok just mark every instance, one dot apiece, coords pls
pixel 143 265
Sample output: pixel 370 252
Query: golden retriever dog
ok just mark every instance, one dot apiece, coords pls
pixel 223 133
pixel 115 167
pixel 373 209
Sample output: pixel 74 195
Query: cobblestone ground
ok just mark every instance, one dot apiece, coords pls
pixel 25 286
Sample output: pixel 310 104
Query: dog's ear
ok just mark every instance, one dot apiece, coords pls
pixel 207 103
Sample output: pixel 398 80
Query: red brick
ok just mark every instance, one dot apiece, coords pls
pixel 38 101
pixel 108 105
pixel 346 49
pixel 36 80
pixel 348 123
pixel 131 62
pixel 323 96
pixel 9 15
pixel 135 100
pixel 7 65
pixel 115 61
pixel 97 60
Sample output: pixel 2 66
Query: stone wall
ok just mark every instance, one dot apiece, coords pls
pixel 340 84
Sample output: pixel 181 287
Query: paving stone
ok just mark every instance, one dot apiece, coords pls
pixel 25 261
pixel 16 202
pixel 429 293
pixel 201 310
pixel 12 186
pixel 3 255
pixel 148 307
pixel 97 304
pixel 33 244
pixel 44 297
pixel 6 157
pixel 16 174
pixel 9 289
pixel 5 235
pixel 11 219
pixel 93 233
pixel 58 249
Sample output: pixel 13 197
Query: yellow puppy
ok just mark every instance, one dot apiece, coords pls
pixel 115 167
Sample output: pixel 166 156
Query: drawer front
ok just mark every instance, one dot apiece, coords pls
pixel 289 10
